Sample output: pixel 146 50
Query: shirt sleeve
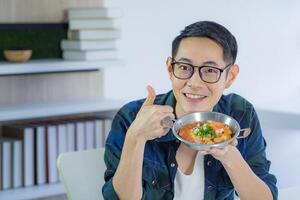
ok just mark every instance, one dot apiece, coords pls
pixel 255 154
pixel 108 190
pixel 113 149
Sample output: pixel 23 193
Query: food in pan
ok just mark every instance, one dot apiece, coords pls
pixel 206 132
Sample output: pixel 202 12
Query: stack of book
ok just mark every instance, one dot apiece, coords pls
pixel 28 152
pixel 92 34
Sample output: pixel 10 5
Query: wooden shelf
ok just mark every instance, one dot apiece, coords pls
pixel 51 109
pixel 33 192
pixel 54 66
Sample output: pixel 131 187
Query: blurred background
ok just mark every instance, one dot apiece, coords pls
pixel 268 36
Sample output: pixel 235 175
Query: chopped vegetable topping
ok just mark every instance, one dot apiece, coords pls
pixel 206 130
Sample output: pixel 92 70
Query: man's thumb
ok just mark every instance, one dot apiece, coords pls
pixel 151 96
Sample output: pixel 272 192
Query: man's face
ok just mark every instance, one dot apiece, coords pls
pixel 194 94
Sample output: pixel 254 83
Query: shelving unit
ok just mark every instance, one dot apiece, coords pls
pixel 28 111
pixel 49 88
pixel 54 66
pixel 44 110
pixel 91 102
pixel 51 109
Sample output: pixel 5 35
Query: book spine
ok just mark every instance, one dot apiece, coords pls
pixel 62 138
pixel 71 137
pixel 6 165
pixel 28 156
pixel 52 153
pixel 99 133
pixel 77 24
pixel 41 155
pixel 90 135
pixel 80 136
pixel 17 164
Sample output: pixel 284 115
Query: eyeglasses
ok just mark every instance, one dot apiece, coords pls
pixel 207 74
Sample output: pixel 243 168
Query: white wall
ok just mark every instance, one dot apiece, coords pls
pixel 268 35
pixel 282 133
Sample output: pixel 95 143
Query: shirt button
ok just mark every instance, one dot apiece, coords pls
pixel 209 187
pixel 172 164
pixel 208 163
pixel 154 182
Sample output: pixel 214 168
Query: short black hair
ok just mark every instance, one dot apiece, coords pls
pixel 213 31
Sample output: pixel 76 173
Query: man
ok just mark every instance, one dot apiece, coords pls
pixel 145 161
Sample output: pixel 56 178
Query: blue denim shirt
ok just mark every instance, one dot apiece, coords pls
pixel 160 166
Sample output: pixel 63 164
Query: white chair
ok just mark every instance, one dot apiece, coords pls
pixel 82 174
pixel 289 193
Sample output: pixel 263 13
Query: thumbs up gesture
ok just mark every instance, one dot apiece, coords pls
pixel 151 96
pixel 148 122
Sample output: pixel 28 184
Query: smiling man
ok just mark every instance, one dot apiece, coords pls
pixel 145 160
pixel 202 90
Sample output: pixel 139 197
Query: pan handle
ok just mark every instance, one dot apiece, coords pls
pixel 167 122
pixel 246 133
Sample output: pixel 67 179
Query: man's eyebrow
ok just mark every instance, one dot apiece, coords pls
pixel 209 62
pixel 185 60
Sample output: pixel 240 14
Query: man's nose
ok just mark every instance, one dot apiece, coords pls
pixel 195 81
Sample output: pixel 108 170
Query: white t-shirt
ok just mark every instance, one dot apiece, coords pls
pixel 190 186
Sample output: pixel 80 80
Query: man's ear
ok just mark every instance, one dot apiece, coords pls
pixel 232 74
pixel 169 67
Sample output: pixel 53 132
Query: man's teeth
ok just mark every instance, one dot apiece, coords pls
pixel 194 96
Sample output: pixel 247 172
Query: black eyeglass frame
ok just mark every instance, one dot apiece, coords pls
pixel 199 70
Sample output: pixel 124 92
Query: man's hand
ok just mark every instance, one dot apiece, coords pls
pixel 224 154
pixel 148 122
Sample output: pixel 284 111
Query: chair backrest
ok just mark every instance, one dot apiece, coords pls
pixel 285 193
pixel 289 193
pixel 82 173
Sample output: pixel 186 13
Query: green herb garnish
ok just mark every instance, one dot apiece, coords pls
pixel 206 130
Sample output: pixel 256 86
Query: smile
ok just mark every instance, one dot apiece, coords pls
pixel 194 96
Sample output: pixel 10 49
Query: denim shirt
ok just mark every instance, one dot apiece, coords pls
pixel 160 166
